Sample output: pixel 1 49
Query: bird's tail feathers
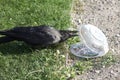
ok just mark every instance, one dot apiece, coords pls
pixel 3 32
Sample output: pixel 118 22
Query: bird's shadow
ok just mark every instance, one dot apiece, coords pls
pixel 20 48
pixel 14 48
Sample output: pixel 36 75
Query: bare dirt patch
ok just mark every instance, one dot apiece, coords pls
pixel 106 15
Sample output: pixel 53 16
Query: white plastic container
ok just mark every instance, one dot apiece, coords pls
pixel 93 42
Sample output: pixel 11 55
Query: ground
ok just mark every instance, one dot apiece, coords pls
pixel 104 14
pixel 19 61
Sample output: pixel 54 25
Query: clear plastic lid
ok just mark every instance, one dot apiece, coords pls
pixel 80 50
pixel 94 41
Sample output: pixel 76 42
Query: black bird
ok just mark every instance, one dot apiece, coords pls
pixel 37 35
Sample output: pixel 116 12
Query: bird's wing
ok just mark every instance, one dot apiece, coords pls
pixel 33 35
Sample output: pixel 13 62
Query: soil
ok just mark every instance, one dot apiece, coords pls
pixel 104 14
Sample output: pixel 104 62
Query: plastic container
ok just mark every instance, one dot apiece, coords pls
pixel 93 42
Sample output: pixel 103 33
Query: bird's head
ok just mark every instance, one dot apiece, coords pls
pixel 65 34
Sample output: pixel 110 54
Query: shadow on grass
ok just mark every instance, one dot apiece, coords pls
pixel 15 48
pixel 21 48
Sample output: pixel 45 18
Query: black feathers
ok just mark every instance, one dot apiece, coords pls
pixel 38 35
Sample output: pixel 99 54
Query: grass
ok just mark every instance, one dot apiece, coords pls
pixel 35 12
pixel 19 62
pixel 17 59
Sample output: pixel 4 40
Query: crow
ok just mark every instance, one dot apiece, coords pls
pixel 37 35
